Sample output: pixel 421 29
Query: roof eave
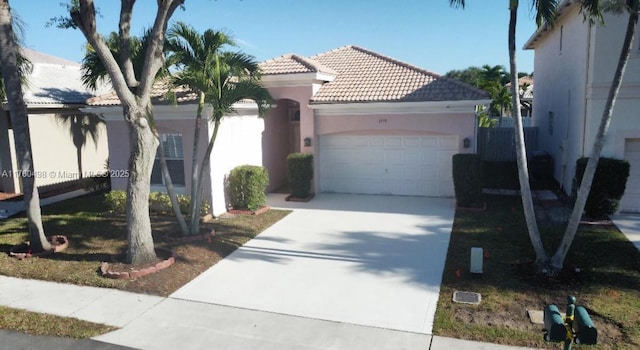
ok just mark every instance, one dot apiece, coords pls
pixel 542 30
pixel 295 79
pixel 397 107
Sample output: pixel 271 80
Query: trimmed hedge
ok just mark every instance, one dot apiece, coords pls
pixel 607 188
pixel 300 173
pixel 247 185
pixel 467 180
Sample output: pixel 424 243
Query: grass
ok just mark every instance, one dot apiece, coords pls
pixel 608 283
pixel 96 235
pixel 44 324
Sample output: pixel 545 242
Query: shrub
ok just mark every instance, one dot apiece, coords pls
pixel 159 203
pixel 607 188
pixel 300 173
pixel 116 201
pixel 500 175
pixel 467 180
pixel 246 187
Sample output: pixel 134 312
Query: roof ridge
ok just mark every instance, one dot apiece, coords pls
pixel 312 64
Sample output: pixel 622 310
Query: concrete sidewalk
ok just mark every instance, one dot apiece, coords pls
pixel 151 322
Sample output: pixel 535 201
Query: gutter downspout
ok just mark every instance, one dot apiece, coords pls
pixel 586 89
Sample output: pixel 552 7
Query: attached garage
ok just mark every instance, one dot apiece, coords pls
pixel 412 165
pixel 631 200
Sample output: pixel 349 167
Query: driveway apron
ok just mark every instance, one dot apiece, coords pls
pixel 367 260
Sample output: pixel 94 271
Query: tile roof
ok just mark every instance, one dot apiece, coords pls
pixel 158 92
pixel 184 95
pixel 292 63
pixel 361 76
pixel 55 81
pixel 366 76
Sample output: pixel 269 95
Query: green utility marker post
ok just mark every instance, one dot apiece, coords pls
pixel 576 327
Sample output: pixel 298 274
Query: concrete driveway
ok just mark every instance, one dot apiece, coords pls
pixel 366 260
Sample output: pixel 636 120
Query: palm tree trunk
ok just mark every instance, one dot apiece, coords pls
pixel 143 145
pixel 521 153
pixel 171 191
pixel 195 216
pixel 195 182
pixel 583 193
pixel 20 121
pixel 79 156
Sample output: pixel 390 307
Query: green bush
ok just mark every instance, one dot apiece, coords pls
pixel 159 203
pixel 116 201
pixel 607 188
pixel 300 173
pixel 247 185
pixel 467 180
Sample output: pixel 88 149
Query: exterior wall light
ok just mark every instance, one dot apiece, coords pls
pixel 307 142
pixel 466 143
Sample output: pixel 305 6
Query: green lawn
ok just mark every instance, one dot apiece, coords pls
pixel 608 283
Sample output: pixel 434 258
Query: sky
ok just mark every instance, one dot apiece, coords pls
pixel 426 33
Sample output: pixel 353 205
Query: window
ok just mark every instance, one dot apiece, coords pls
pixel 172 146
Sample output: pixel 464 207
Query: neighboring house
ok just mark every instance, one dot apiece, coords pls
pixel 67 144
pixel 374 125
pixel 574 66
pixel 525 91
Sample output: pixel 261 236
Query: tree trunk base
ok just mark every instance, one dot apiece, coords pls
pixel 23 251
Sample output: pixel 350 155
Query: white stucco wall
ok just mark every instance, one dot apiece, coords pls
pixel 625 122
pixel 560 90
pixel 574 82
pixel 239 142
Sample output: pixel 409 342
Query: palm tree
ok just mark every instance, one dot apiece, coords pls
pixel 631 7
pixel 10 68
pixel 193 54
pixel 24 65
pixel 221 79
pixel 545 11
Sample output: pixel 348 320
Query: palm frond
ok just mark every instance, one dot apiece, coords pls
pixel 545 10
pixel 457 3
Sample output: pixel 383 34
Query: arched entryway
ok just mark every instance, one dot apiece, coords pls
pixel 281 137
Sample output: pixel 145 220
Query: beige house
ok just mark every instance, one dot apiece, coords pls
pixel 574 66
pixel 67 144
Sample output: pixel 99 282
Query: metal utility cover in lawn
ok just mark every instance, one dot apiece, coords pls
pixel 467 297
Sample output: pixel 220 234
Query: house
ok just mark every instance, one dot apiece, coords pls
pixel 67 144
pixel 574 66
pixel 525 91
pixel 375 125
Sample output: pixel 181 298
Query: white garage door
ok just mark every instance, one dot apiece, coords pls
pixel 631 199
pixel 391 164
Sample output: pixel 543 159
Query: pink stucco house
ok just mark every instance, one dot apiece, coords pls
pixel 375 125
